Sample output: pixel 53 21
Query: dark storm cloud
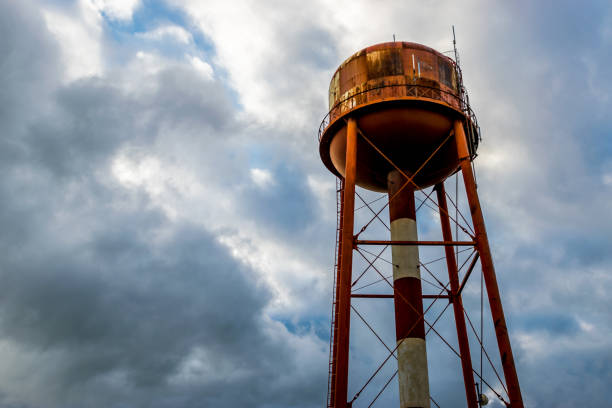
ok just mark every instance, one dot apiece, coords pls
pixel 556 324
pixel 114 298
pixel 26 72
pixel 123 304
pixel 92 118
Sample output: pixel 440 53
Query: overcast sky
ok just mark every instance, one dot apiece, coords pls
pixel 167 227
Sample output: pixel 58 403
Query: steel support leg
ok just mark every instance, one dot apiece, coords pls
pixel 482 244
pixel 453 275
pixel 345 275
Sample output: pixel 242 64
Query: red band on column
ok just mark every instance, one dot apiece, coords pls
pixel 408 308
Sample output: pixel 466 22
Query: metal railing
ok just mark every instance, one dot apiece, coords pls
pixel 411 90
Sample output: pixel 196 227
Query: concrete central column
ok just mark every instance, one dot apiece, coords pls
pixel 409 326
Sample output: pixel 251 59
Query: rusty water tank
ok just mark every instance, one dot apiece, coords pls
pixel 405 98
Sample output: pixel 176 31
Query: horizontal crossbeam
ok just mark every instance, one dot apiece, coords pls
pixel 377 296
pixel 416 243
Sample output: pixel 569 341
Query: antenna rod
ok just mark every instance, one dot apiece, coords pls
pixel 455 46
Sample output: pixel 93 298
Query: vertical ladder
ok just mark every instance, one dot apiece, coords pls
pixel 334 312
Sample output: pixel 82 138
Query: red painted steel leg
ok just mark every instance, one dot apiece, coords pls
pixel 482 244
pixel 453 275
pixel 344 282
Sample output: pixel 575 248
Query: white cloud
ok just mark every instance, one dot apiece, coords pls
pixel 541 344
pixel 175 189
pixel 147 63
pixel 117 9
pixel 199 368
pixel 146 172
pixel 251 43
pixel 79 37
pixel 268 52
pixel 202 67
pixel 324 189
pixel 286 269
pixel 173 32
pixel 262 178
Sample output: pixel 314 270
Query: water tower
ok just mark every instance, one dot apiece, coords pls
pixel 400 122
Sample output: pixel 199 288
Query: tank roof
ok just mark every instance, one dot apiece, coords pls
pixel 393 44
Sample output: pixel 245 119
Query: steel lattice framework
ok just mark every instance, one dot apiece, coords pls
pixel 349 243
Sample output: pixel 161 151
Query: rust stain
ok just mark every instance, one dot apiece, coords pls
pixel 383 63
pixel 385 71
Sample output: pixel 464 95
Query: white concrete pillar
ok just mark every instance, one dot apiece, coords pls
pixel 409 324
